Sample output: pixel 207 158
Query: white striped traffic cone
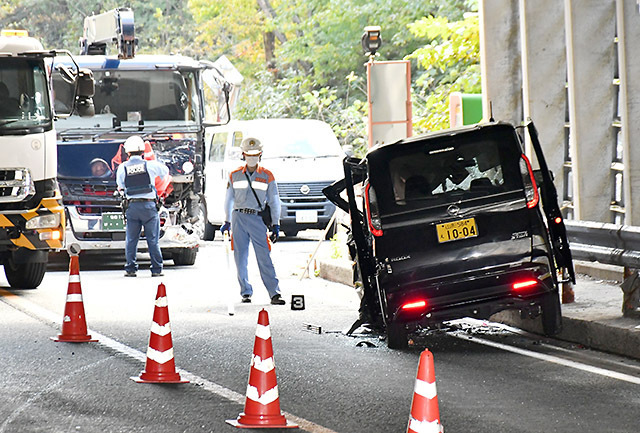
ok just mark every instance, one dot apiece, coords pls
pixel 160 366
pixel 74 323
pixel 425 413
pixel 262 406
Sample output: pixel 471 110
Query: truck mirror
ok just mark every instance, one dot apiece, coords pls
pixel 85 89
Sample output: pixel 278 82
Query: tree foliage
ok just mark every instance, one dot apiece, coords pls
pixel 300 58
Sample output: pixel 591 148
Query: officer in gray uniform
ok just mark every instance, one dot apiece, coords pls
pixel 241 212
pixel 136 177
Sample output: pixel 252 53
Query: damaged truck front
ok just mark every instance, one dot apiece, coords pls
pixel 160 98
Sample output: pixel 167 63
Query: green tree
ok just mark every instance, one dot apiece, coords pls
pixel 451 62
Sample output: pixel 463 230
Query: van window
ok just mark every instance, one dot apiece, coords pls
pixel 454 172
pixel 218 145
pixel 237 139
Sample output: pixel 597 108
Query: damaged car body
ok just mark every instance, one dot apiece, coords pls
pixel 450 225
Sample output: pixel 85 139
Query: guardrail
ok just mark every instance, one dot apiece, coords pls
pixel 606 243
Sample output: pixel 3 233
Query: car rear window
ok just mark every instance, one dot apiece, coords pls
pixel 446 171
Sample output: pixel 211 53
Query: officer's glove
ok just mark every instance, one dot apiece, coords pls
pixel 275 233
pixel 226 227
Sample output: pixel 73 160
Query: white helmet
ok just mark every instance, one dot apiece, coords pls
pixel 135 143
pixel 251 146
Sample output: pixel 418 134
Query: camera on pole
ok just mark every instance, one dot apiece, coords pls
pixel 371 40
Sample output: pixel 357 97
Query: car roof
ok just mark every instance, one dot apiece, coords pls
pixel 480 128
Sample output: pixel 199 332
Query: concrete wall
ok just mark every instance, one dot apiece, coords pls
pixel 555 62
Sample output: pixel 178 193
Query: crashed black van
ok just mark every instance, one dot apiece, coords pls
pixel 454 224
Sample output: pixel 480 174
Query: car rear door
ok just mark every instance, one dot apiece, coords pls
pixel 450 207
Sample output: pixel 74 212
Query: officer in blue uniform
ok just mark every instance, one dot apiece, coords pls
pixel 136 177
pixel 241 212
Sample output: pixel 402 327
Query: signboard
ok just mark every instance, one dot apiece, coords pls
pixel 389 98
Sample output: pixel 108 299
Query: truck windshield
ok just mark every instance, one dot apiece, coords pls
pixel 150 95
pixel 24 95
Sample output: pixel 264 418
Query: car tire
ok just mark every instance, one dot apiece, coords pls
pixel 291 233
pixel 24 275
pixel 185 256
pixel 397 336
pixel 551 314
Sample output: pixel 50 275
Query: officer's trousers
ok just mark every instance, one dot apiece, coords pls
pixel 143 214
pixel 250 228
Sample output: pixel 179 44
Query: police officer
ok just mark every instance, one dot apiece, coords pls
pixel 241 212
pixel 136 177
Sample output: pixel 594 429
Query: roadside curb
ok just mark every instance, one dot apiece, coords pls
pixel 605 332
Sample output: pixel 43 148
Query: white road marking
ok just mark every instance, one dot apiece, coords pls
pixel 549 358
pixel 52 319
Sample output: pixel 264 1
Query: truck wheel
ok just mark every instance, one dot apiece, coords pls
pixel 551 314
pixel 24 275
pixel 396 336
pixel 185 256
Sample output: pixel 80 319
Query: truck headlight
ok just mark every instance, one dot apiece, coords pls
pixel 48 221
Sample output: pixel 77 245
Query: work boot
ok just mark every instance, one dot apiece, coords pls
pixel 277 300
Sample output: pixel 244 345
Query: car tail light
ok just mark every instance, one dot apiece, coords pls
pixel 373 215
pixel 525 284
pixel 530 187
pixel 414 305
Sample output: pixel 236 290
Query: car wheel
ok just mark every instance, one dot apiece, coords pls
pixel 291 233
pixel 209 231
pixel 396 336
pixel 185 256
pixel 551 314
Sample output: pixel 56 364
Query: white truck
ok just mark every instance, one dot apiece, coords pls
pixel 158 97
pixel 32 217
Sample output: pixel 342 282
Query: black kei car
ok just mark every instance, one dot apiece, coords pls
pixel 450 225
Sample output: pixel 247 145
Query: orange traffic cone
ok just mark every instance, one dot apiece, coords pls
pixel 160 366
pixel 425 415
pixel 262 406
pixel 74 324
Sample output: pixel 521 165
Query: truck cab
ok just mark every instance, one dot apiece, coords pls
pixel 158 97
pixel 31 213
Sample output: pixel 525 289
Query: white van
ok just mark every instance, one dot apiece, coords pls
pixel 304 156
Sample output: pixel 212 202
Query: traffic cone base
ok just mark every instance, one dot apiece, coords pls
pixel 74 324
pixel 236 423
pixel 158 378
pixel 262 405
pixel 73 338
pixel 160 366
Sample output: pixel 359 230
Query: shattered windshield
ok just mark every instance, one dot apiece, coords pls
pixel 151 95
pixel 24 95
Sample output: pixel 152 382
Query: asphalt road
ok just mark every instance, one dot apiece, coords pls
pixel 489 378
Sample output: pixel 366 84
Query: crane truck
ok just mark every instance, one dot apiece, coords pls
pixel 158 97
pixel 32 218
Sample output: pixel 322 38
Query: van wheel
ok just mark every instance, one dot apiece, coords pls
pixel 551 314
pixel 185 256
pixel 396 336
pixel 209 231
pixel 24 275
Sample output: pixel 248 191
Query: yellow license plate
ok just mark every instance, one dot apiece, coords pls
pixel 456 230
